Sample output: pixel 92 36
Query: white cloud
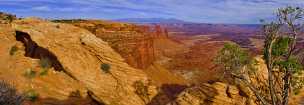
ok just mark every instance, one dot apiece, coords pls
pixel 243 11
pixel 42 8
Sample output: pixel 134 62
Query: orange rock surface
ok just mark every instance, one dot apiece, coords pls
pixel 75 56
pixel 140 45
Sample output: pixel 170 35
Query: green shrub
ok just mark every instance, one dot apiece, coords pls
pixel 9 95
pixel 13 50
pixel 30 73
pixel 105 67
pixel 141 90
pixel 45 63
pixel 44 72
pixel 232 58
pixel 31 95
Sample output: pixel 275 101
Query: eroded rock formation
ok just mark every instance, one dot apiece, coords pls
pixel 212 94
pixel 75 57
pixel 140 45
pixel 134 43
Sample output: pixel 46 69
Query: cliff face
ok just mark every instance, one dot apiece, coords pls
pixel 134 43
pixel 143 45
pixel 140 45
pixel 76 58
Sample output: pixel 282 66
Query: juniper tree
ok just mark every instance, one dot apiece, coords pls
pixel 232 58
pixel 280 48
pixel 282 54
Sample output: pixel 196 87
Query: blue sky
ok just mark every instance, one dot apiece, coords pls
pixel 205 11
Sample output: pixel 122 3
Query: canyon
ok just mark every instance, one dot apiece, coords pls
pixel 98 62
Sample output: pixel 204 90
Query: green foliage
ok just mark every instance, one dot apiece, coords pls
pixel 279 54
pixel 296 69
pixel 141 90
pixel 281 46
pixel 292 64
pixel 270 31
pixel 232 57
pixel 252 66
pixel 105 67
pixel 13 50
pixel 30 73
pixel 31 95
pixel 44 72
pixel 45 63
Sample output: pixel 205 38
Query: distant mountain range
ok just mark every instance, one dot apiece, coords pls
pixel 204 28
pixel 191 28
pixel 151 20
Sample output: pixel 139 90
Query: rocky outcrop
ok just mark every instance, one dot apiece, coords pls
pixel 25 73
pixel 76 57
pixel 212 94
pixel 220 93
pixel 135 47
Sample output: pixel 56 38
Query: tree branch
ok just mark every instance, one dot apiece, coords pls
pixel 252 88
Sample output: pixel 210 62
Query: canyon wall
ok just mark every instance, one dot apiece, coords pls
pixel 133 42
pixel 142 46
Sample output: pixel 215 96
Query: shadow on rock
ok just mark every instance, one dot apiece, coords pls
pixel 168 92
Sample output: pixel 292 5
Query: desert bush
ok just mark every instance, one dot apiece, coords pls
pixel 30 73
pixel 141 90
pixel 44 72
pixel 8 95
pixel 31 95
pixel 105 67
pixel 45 63
pixel 231 59
pixel 13 50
